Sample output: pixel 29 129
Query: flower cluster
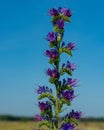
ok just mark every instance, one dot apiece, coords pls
pixel 72 115
pixel 52 54
pixel 67 126
pixel 46 110
pixel 38 117
pixel 69 66
pixel 68 94
pixel 69 46
pixel 69 82
pixel 60 11
pixel 52 37
pixel 75 115
pixel 44 106
pixel 59 16
pixel 53 73
pixel 43 89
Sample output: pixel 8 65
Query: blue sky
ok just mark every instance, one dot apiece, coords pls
pixel 23 27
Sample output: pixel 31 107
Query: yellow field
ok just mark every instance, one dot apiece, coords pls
pixel 30 125
pixel 91 126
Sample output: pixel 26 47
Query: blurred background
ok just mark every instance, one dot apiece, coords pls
pixel 23 28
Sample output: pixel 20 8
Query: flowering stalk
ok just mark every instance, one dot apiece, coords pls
pixel 51 108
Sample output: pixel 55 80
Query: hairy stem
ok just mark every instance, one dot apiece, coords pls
pixel 57 90
pixel 56 111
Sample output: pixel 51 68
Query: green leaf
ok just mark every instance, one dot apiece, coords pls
pixel 65 70
pixel 52 44
pixel 53 80
pixel 71 120
pixel 65 87
pixel 43 113
pixel 56 29
pixel 65 50
pixel 60 30
pixel 46 112
pixel 67 19
pixel 63 110
pixel 47 95
pixel 44 123
pixel 75 121
pixel 53 60
pixel 64 101
pixel 55 18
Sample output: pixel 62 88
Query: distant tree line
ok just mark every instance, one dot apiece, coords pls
pixel 15 118
pixel 23 118
pixel 92 119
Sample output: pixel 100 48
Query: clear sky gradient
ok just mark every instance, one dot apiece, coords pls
pixel 24 25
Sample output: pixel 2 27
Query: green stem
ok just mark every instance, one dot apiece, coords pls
pixel 57 104
pixel 57 113
pixel 57 90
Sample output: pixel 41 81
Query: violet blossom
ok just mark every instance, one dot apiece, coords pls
pixel 38 117
pixel 66 12
pixel 54 12
pixel 53 73
pixel 71 82
pixel 70 46
pixel 67 126
pixel 60 23
pixel 43 106
pixel 68 94
pixel 53 53
pixel 75 115
pixel 52 37
pixel 69 66
pixel 60 11
pixel 43 89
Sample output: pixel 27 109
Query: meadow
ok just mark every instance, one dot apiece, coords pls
pixel 30 125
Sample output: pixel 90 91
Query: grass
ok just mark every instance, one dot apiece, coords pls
pixel 91 126
pixel 6 125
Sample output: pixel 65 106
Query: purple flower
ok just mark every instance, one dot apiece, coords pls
pixel 76 115
pixel 51 37
pixel 70 46
pixel 53 53
pixel 71 82
pixel 38 118
pixel 66 12
pixel 49 72
pixel 69 95
pixel 67 126
pixel 70 66
pixel 40 90
pixel 54 12
pixel 43 106
pixel 60 23
pixel 53 73
pixel 43 89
